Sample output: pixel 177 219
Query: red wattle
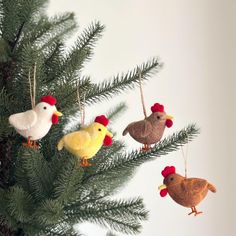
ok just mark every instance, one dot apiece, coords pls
pixel 55 119
pixel 169 123
pixel 107 141
pixel 163 192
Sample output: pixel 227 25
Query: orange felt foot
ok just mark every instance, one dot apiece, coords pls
pixel 85 163
pixel 194 210
pixel 145 148
pixel 35 145
pixel 29 144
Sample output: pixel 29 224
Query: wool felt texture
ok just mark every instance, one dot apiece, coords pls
pixel 188 192
pixel 150 130
pixel 36 123
pixel 85 143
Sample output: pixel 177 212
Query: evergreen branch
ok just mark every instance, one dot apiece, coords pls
pixel 62 230
pixel 121 216
pixel 136 158
pixel 14 45
pixel 52 61
pixel 89 37
pixel 110 234
pixel 69 178
pixel 69 92
pixel 6 103
pixel 116 111
pixel 19 204
pixel 34 174
pixel 47 27
pixel 49 212
pixel 102 156
pixel 16 14
pixel 81 51
pixel 57 36
pixel 122 82
pixel 5 129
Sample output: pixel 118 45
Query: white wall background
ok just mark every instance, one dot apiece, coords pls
pixel 196 41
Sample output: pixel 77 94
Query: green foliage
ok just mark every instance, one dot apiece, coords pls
pixel 119 215
pixel 110 234
pixel 116 111
pixel 122 82
pixel 45 192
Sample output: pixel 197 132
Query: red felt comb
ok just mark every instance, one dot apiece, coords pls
pixel 168 170
pixel 157 107
pixel 102 120
pixel 49 99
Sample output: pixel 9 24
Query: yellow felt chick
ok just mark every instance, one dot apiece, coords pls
pixel 86 142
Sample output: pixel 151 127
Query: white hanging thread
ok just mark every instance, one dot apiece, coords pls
pixel 32 90
pixel 185 157
pixel 81 108
pixel 141 93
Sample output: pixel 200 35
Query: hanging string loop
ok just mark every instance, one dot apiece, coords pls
pixel 81 106
pixel 185 156
pixel 141 93
pixel 32 87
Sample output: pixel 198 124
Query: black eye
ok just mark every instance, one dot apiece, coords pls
pixel 158 117
pixel 171 179
pixel 44 108
pixel 99 129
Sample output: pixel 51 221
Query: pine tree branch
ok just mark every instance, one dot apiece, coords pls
pixel 122 82
pixel 49 27
pixel 14 44
pixel 110 234
pixel 136 158
pixel 80 52
pixel 19 204
pixel 49 212
pixel 113 113
pixel 124 216
pixel 67 182
pixel 102 156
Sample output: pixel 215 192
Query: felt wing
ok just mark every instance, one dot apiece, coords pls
pixel 140 128
pixel 77 140
pixel 23 120
pixel 194 185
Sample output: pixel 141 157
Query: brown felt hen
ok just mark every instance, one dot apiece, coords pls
pixel 151 129
pixel 188 192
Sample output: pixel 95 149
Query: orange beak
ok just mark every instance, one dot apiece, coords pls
pixel 168 117
pixel 57 113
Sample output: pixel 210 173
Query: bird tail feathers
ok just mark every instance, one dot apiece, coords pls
pixel 60 145
pixel 212 188
pixel 126 131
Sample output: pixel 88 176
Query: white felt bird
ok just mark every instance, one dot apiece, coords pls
pixel 35 124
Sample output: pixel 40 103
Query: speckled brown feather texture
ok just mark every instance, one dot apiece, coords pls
pixel 149 130
pixel 188 192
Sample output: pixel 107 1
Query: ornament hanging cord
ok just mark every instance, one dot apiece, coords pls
pixel 141 93
pixel 32 87
pixel 185 157
pixel 81 107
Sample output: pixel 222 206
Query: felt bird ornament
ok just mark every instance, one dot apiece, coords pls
pixel 85 143
pixel 151 129
pixel 188 192
pixel 35 124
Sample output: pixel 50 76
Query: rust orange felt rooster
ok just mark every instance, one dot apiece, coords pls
pixel 151 129
pixel 188 192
